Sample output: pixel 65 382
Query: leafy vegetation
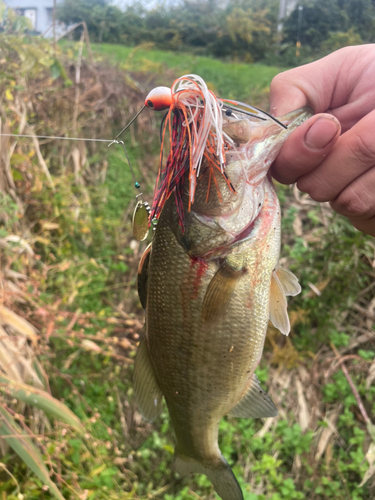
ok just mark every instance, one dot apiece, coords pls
pixel 242 29
pixel 68 266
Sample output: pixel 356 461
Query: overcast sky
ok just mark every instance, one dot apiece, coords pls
pixel 147 3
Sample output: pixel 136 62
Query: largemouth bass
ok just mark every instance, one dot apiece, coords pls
pixel 209 289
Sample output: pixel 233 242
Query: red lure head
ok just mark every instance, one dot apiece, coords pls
pixel 159 98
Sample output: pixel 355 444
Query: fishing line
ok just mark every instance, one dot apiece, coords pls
pixel 142 209
pixel 131 121
pixel 136 183
pixel 54 137
pixel 162 126
pixel 240 110
pixel 258 109
pixel 272 117
pixel 111 141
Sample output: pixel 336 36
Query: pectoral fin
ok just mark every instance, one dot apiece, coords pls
pixel 256 403
pixel 278 306
pixel 288 281
pixel 219 292
pixel 148 395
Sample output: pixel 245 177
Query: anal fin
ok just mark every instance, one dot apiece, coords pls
pixel 256 403
pixel 143 276
pixel 219 292
pixel 148 395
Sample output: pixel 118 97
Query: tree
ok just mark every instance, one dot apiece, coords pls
pixel 318 20
pixel 253 26
pixel 322 18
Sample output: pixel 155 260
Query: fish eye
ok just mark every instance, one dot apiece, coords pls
pixel 150 104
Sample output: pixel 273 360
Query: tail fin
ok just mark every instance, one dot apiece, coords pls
pixel 220 475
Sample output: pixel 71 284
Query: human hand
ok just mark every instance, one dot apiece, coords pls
pixel 328 166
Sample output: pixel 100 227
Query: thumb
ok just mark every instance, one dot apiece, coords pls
pixel 285 96
pixel 306 148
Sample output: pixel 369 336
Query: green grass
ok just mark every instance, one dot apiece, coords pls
pixel 117 464
pixel 230 80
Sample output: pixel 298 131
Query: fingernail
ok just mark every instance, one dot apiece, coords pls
pixel 321 133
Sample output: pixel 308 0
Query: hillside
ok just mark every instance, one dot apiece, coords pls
pixel 240 81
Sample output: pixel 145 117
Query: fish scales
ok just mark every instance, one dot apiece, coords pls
pixel 192 359
pixel 209 295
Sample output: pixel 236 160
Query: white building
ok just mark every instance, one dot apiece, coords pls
pixel 40 12
pixel 286 7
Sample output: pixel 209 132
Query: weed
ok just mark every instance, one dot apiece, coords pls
pixel 90 321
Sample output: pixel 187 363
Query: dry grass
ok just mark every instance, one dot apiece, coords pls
pixel 86 346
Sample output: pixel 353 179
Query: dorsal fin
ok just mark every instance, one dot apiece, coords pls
pixel 143 275
pixel 148 395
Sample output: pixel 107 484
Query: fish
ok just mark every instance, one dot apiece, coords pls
pixel 209 287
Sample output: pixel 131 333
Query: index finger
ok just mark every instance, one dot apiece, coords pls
pixel 310 85
pixel 340 83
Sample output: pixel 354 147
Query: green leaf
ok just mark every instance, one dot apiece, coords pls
pixel 42 400
pixel 26 450
pixel 55 70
